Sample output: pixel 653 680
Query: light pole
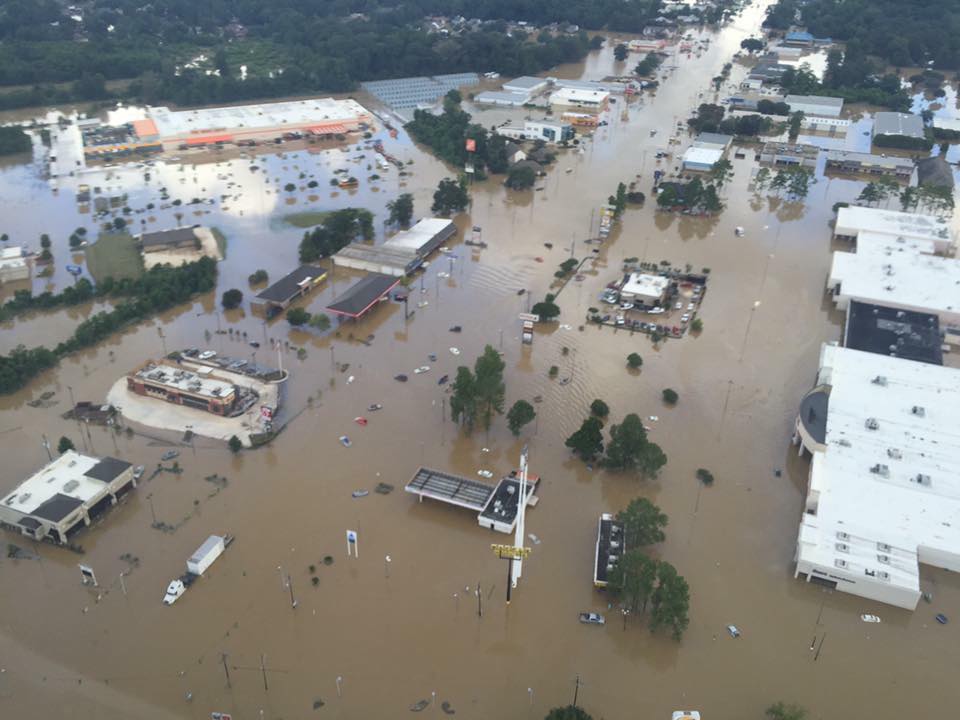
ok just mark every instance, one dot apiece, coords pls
pixel 386 566
pixel 339 685
pixel 153 515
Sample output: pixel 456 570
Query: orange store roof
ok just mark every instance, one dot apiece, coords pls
pixel 144 128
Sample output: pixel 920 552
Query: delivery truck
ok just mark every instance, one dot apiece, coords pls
pixel 197 565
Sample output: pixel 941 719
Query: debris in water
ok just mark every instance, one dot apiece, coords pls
pixel 360 493
pixel 447 708
pixel 419 706
pixel 534 539
pixel 870 618
pixel 383 488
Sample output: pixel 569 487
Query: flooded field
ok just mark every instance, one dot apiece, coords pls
pixel 398 632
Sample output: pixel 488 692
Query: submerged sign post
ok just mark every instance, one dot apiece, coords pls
pixel 352 546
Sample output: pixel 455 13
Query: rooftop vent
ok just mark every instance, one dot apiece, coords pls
pixel 880 380
pixel 883 547
pixel 881 470
pixel 922 479
pixel 70 486
pixel 885 559
pixel 918 411
pixel 894 454
pixel 872 424
pixel 883 575
pixel 842 547
pixel 842 535
pixel 840 563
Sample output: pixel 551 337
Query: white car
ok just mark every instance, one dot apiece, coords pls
pixel 422 369
pixel 685 715
pixel 685 318
pixel 485 473
pixel 691 306
pixel 627 306
pixel 175 589
pixel 454 351
pixel 207 354
pixel 621 320
pixel 678 306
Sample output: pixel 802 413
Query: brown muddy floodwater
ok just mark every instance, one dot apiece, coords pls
pixel 397 637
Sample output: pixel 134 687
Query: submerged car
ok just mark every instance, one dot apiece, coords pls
pixel 592 618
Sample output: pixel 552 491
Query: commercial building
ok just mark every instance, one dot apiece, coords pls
pixel 613 87
pixel 13 266
pixel 266 121
pixel 798 38
pixel 644 288
pixel 845 161
pixel 502 98
pixel 284 291
pixel 895 123
pixel 781 154
pixel 401 254
pixel 363 295
pixel 854 220
pixel 610 548
pixel 706 150
pixel 894 333
pixel 177 238
pixel 65 496
pixel 883 494
pixel 102 142
pixel 200 390
pixel 526 85
pixel 592 100
pixel 898 272
pixel 767 71
pixel 935 171
pixel 413 92
pixel 546 130
pixel 815 105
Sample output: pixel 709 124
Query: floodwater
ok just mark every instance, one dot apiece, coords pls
pixel 398 632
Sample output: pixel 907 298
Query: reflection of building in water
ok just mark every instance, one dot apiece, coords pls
pixel 65 495
pixel 200 390
pixel 884 489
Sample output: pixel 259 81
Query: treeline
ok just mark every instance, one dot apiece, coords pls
pixel 13 140
pixel 710 118
pixel 900 33
pixel 851 76
pixel 160 288
pixel 339 229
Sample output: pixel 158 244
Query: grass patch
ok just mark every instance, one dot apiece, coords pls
pixel 221 241
pixel 307 219
pixel 114 255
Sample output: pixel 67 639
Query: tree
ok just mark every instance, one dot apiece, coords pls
pixel 235 444
pixel 634 361
pixel 65 444
pixel 119 224
pixel 721 172
pixel 570 712
pixel 633 579
pixel 463 401
pixel 696 325
pixel 752 45
pixel 643 523
pixel 629 449
pixel 289 187
pixel 869 195
pixel 231 299
pixel 779 181
pixel 599 408
pixel 75 241
pixel 450 195
pixel 670 396
pixel 799 184
pixel 258 276
pixel 339 229
pixel 297 316
pixel 401 210
pixel 710 201
pixel 587 442
pixel 619 201
pixel 547 310
pixel 320 321
pixel 45 241
pixel 521 177
pixel 519 415
pixel 796 120
pixel 489 385
pixel 621 52
pixel 785 711
pixel 670 601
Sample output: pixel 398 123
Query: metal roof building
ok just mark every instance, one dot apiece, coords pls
pixel 815 105
pixel 401 254
pixel 284 291
pixel 894 123
pixel 363 295
pixel 412 92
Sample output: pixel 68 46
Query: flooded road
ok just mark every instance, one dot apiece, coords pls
pixel 396 633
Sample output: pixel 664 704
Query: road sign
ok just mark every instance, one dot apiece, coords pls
pixel 266 413
pixel 510 551
pixel 353 547
pixel 87 574
pixel 471 145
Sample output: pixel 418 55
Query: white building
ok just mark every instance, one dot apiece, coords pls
pixel 593 100
pixel 65 495
pixel 897 272
pixel 13 266
pixel 504 99
pixel 884 489
pixel 851 221
pixel 547 130
pixel 401 254
pixel 526 85
pixel 706 150
pixel 644 288
pixel 815 105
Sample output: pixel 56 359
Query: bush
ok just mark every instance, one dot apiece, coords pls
pixel 554 371
pixel 670 396
pixel 705 476
pixel 298 316
pixel 235 444
pixel 634 361
pixel 65 444
pixel 696 325
pixel 320 321
pixel 547 310
pixel 260 276
pixel 599 408
pixel 231 299
pixel 289 187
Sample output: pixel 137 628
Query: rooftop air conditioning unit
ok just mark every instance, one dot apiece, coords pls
pixel 840 563
pixel 842 535
pixel 922 479
pixel 872 424
pixel 880 380
pixel 918 411
pixel 894 454
pixel 881 470
pixel 842 547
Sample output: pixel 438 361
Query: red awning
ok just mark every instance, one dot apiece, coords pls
pixel 207 139
pixel 328 129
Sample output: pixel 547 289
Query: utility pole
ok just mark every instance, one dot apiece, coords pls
pixel 293 602
pixel 263 671
pixel 479 600
pixel 576 691
pixel 226 670
pixel 46 446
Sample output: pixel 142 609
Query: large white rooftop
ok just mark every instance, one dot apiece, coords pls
pixel 885 494
pixel 420 235
pixel 898 272
pixel 578 96
pixel 294 113
pixel 702 155
pixel 854 219
pixel 65 475
pixel 645 285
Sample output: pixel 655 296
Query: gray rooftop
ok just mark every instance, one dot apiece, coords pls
pixel 526 82
pixel 894 123
pixel 831 102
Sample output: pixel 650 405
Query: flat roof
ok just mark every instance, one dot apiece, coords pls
pixel 177 378
pixel 705 139
pixel 63 484
pixel 363 295
pixel 259 116
pixel 449 488
pixel 145 128
pixel 504 503
pixel 575 94
pixel 702 156
pixel 893 332
pixel 830 102
pixel 886 491
pixel 610 546
pixel 898 271
pixel 854 219
pixel 946 123
pixel 645 284
pixel 868 159
pixel 424 233
pixel 174 236
pixel 292 283
pixel 525 82
pixel 594 85
pixel 501 97
pixel 782 148
pixel 894 123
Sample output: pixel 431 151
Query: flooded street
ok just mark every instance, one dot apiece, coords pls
pixel 397 632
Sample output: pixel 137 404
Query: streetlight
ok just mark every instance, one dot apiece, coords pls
pixel 339 685
pixel 386 566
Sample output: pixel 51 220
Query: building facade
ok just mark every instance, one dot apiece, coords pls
pixel 174 384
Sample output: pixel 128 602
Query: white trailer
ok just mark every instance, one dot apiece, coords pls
pixel 205 555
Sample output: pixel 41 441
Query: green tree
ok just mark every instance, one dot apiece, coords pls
pixel 258 276
pixel 629 449
pixel 65 444
pixel 599 408
pixel 490 387
pixel 633 579
pixel 721 172
pixel 620 52
pixel 119 224
pixel 710 201
pixel 401 210
pixel 289 187
pixel 785 711
pixel 519 415
pixel 45 241
pixel 75 241
pixel 450 196
pixel 670 396
pixel 696 325
pixel 619 201
pixel 634 361
pixel 547 309
pixel 235 444
pixel 869 195
pixel 521 177
pixel 463 400
pixel 587 442
pixel 570 712
pixel 643 523
pixel 297 316
pixel 231 298
pixel 780 181
pixel 752 45
pixel 796 120
pixel 799 184
pixel 320 321
pixel 670 601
